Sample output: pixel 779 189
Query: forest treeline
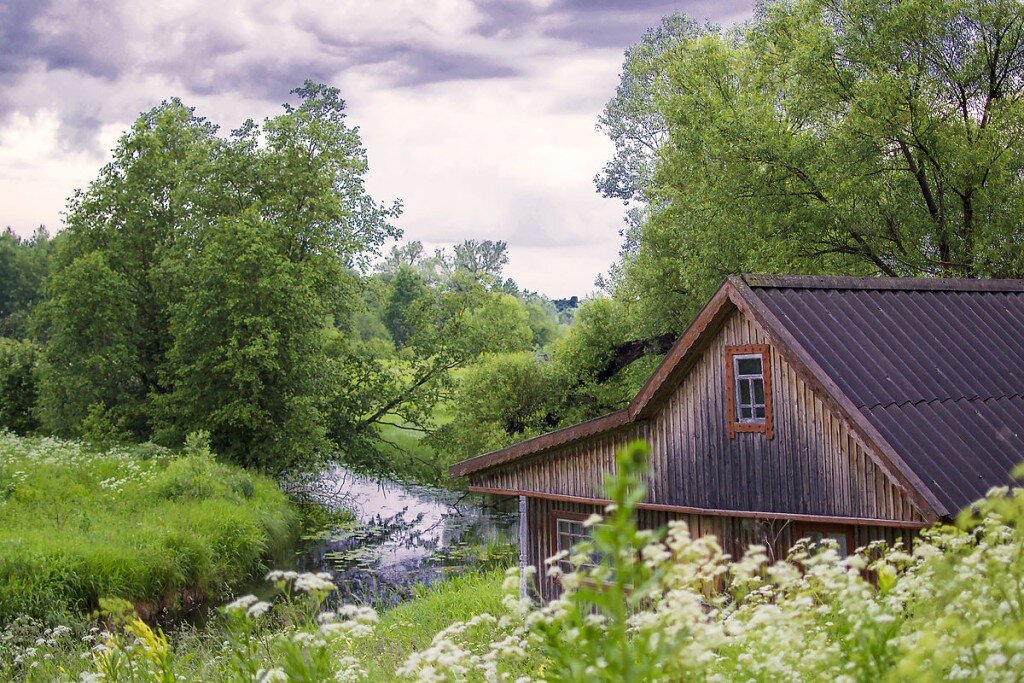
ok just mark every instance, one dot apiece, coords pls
pixel 244 284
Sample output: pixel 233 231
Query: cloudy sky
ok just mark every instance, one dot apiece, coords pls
pixel 478 114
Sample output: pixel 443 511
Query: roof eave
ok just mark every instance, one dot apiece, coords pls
pixel 686 347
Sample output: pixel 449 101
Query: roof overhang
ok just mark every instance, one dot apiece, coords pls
pixel 736 294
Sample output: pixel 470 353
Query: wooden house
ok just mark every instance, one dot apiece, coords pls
pixel 851 408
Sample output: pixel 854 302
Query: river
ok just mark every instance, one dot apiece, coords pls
pixel 405 536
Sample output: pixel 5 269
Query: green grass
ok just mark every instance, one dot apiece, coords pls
pixel 199 651
pixel 410 458
pixel 411 626
pixel 141 523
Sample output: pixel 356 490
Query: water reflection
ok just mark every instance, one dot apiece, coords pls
pixel 407 535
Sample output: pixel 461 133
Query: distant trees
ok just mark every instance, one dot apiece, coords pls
pixel 24 264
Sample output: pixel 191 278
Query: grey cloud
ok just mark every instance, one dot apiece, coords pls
pixel 420 64
pixel 19 43
pixel 87 37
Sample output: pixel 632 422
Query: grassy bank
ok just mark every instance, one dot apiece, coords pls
pixel 142 523
pixel 410 627
pixel 31 654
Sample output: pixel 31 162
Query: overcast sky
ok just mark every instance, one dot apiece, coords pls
pixel 478 114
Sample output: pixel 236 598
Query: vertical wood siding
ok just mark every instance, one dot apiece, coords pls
pixel 813 465
pixel 733 533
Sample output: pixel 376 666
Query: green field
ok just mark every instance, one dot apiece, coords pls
pixel 156 527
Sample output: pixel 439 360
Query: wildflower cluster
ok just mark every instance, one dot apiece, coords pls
pixel 678 608
pixel 30 649
pixel 296 639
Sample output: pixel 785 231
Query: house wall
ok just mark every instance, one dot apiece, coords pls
pixel 734 534
pixel 814 465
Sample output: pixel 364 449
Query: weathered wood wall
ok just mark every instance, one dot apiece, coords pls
pixel 813 465
pixel 734 534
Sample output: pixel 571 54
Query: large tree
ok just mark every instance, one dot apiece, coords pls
pixel 832 136
pixel 198 274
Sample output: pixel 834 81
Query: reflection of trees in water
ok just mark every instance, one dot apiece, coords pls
pixel 382 559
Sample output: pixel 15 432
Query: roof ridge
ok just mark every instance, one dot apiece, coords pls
pixel 939 399
pixel 881 283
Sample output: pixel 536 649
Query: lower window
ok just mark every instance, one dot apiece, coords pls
pixel 816 534
pixel 568 530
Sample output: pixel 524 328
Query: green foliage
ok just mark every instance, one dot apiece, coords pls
pixel 93 355
pixel 826 137
pixel 501 398
pixel 248 359
pixel 544 320
pixel 407 288
pixel 18 391
pixel 504 398
pixel 196 277
pixel 24 264
pixel 448 329
pixel 135 523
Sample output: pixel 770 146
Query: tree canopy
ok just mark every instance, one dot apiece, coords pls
pixel 196 276
pixel 825 136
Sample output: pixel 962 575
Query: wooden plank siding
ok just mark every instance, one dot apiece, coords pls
pixel 813 465
pixel 734 534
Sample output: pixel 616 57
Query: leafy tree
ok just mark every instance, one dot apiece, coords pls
pixel 482 260
pixel 502 398
pixel 106 320
pixel 247 362
pixel 834 137
pixel 451 328
pixel 23 267
pixel 543 320
pixel 407 255
pixel 407 288
pixel 18 393
pixel 198 276
pixel 92 355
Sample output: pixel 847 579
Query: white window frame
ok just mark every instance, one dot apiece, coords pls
pixel 738 379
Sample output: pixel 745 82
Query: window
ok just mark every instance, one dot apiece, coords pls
pixel 748 372
pixel 748 389
pixel 568 530
pixel 843 537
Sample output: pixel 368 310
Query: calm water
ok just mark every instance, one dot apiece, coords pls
pixel 406 535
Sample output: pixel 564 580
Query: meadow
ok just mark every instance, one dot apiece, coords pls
pixel 660 606
pixel 164 530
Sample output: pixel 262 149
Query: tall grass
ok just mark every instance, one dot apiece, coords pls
pixel 145 524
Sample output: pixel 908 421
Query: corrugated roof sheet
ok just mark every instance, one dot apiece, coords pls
pixel 937 368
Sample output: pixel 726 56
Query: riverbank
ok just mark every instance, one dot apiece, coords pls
pixel 28 654
pixel 82 529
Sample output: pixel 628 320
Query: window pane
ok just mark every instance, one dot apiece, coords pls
pixel 749 366
pixel 759 412
pixel 745 413
pixel 758 390
pixel 840 540
pixel 745 392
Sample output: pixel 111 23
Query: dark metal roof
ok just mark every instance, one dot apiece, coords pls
pixel 937 366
